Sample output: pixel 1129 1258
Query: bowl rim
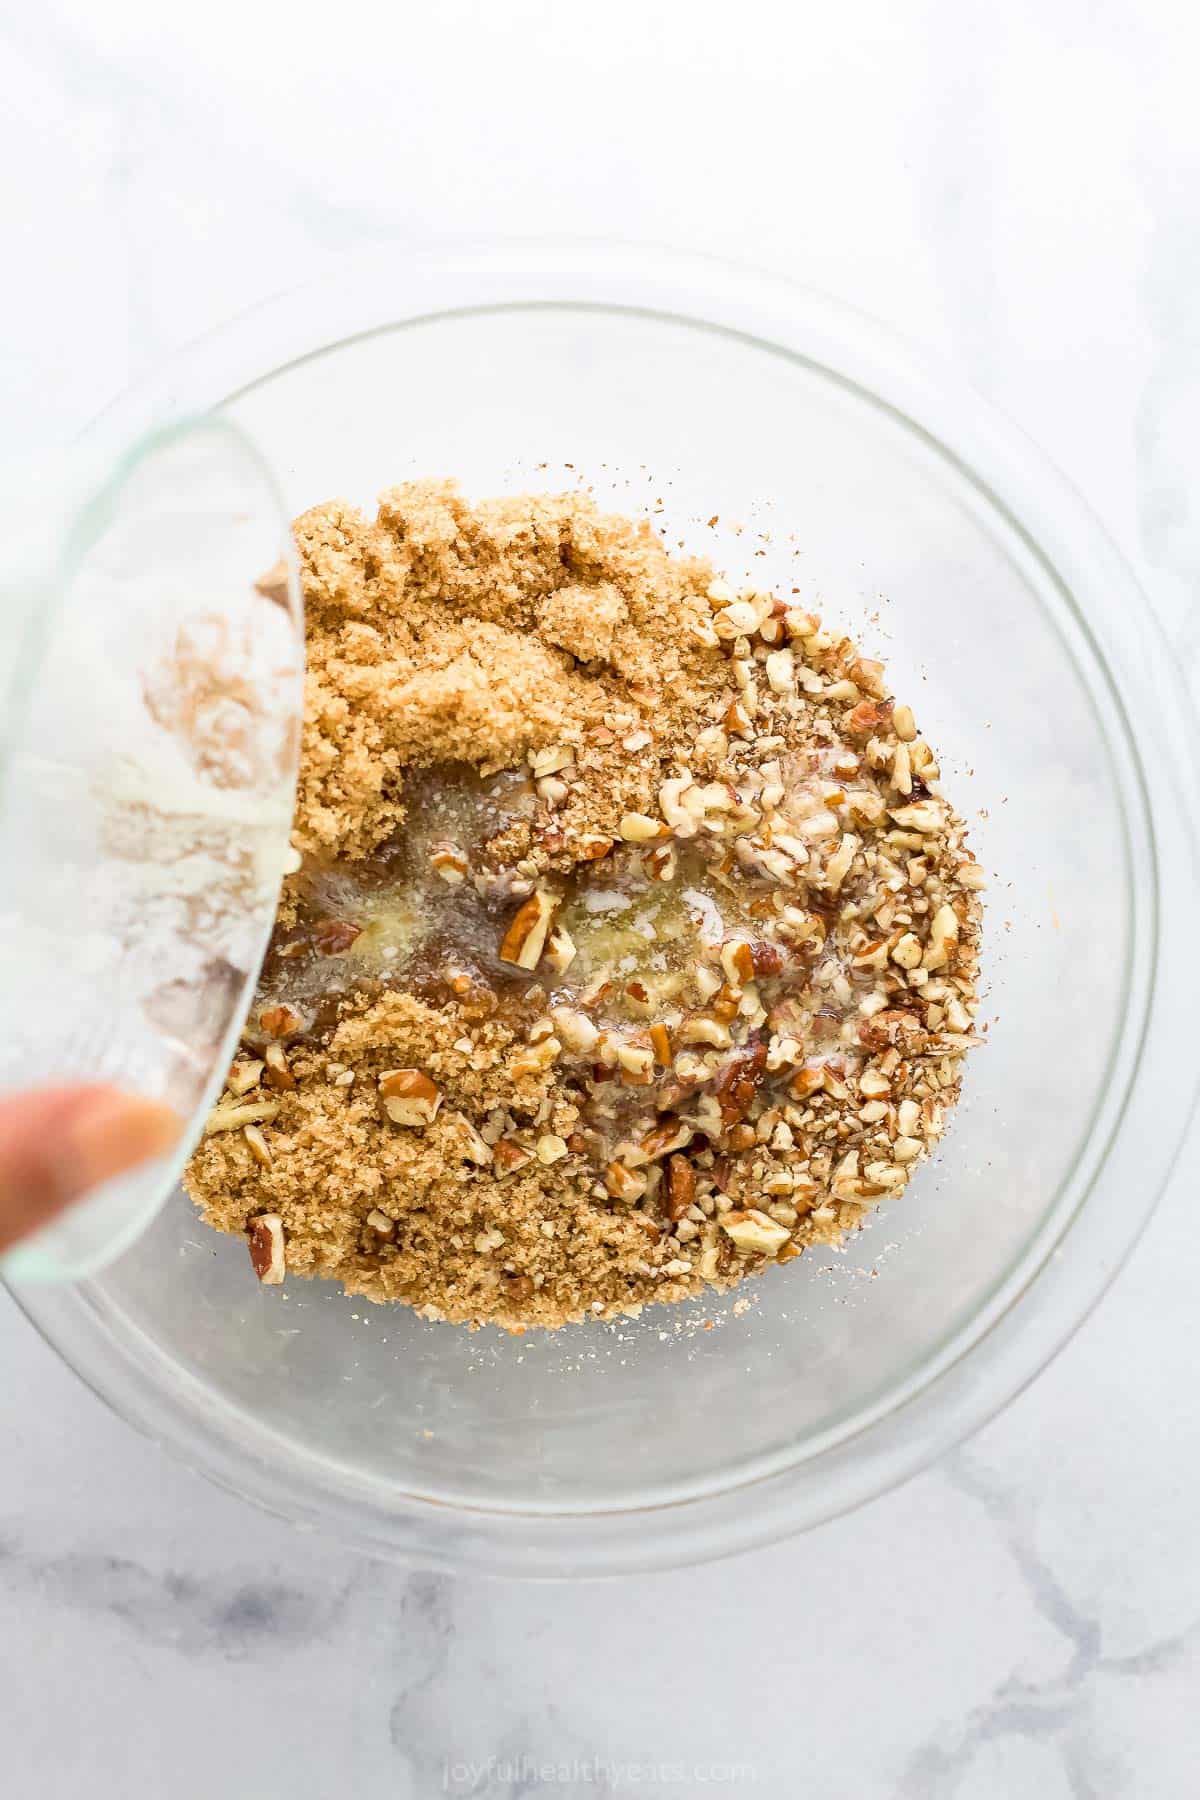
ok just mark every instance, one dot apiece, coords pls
pixel 1048 1294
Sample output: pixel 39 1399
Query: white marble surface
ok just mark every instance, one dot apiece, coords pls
pixel 1016 186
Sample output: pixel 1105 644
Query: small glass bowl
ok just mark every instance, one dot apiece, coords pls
pixel 909 513
pixel 151 696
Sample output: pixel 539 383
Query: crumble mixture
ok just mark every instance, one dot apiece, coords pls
pixel 631 945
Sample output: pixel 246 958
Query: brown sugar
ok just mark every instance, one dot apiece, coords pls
pixel 633 945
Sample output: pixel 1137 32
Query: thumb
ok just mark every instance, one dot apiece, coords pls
pixel 57 1143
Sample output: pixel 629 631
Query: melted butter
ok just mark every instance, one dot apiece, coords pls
pixel 394 922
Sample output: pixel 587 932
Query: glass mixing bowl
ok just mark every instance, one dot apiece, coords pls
pixel 906 511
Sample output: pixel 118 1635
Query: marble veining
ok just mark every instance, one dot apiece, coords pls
pixel 1060 1711
pixel 233 1617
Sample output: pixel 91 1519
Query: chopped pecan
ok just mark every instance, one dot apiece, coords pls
pixel 737 960
pixel 739 1082
pixel 591 849
pixel 768 959
pixel 636 1063
pixel 264 1235
pixel 525 938
pixel 669 1134
pixel 280 1022
pixel 226 1116
pixel 661 862
pixel 260 1150
pixel 754 1233
pixel 622 1183
pixel 508 1157
pixel 640 828
pixel 681 1187
pixel 450 862
pixel 334 936
pixel 409 1097
pixel 807 1081
pixel 865 719
pixel 891 1027
pixel 243 1076
pixel 721 1174
pixel 279 1075
pixel 560 950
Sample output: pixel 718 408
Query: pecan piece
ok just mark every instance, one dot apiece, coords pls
pixel 280 1022
pixel 243 1076
pixel 639 828
pixel 334 936
pixel 279 1075
pixel 891 1027
pixel 739 1081
pixel 591 849
pixel 525 938
pixel 450 862
pixel 225 1116
pixel 409 1097
pixel 737 960
pixel 260 1150
pixel 561 950
pixel 754 1233
pixel 681 1188
pixel 622 1183
pixel 508 1157
pixel 264 1235
pixel 721 1174
pixel 865 719
pixel 768 958
pixel 668 1134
